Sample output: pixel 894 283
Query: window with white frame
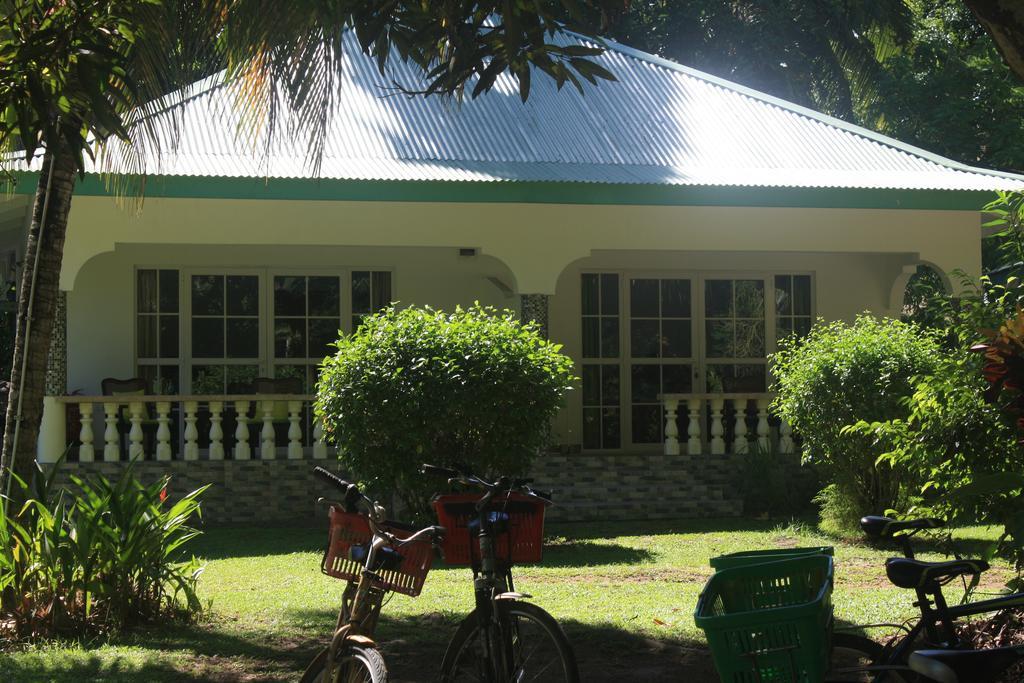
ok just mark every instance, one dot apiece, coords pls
pixel 157 329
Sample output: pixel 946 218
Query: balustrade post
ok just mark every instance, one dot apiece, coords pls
pixel 86 452
pixel 671 428
pixel 135 449
pixel 693 429
pixel 242 449
pixel 740 444
pixel 267 446
pixel 216 431
pixel 717 430
pixel 785 437
pixel 191 431
pixel 319 445
pixel 163 430
pixel 111 448
pixel 294 430
pixel 762 423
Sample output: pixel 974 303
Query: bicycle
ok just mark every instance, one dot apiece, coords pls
pixel 375 556
pixel 504 639
pixel 931 647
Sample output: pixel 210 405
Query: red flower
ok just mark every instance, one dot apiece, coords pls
pixel 163 494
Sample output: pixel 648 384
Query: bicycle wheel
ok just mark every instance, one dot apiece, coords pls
pixel 852 653
pixel 537 649
pixel 356 664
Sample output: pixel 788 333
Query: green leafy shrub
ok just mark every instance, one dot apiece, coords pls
pixel 99 556
pixel 417 385
pixel 842 374
pixel 774 485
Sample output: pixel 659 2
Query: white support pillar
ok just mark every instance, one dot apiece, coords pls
pixel 740 444
pixel 762 423
pixel 785 437
pixel 52 431
pixel 87 451
pixel 671 428
pixel 111 447
pixel 135 449
pixel 319 444
pixel 163 430
pixel 267 446
pixel 693 430
pixel 191 431
pixel 216 431
pixel 243 451
pixel 294 430
pixel 717 430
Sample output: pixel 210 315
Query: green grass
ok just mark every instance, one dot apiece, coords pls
pixel 626 598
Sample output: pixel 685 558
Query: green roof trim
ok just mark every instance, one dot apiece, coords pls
pixel 537 193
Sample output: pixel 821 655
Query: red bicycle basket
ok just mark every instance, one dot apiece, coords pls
pixel 523 543
pixel 351 529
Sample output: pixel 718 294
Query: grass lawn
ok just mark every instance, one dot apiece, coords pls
pixel 625 597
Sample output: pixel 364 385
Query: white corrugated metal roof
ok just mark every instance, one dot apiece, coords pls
pixel 659 124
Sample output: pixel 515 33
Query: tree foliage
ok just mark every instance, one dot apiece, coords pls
pixel 474 387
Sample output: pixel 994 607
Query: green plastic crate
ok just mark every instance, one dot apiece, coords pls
pixel 770 622
pixel 745 557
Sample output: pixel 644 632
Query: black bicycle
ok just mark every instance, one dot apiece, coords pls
pixel 504 639
pixel 930 649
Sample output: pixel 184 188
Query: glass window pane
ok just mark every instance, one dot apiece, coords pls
pixel 802 294
pixel 293 371
pixel 591 385
pixel 243 295
pixel 322 333
pixel 591 337
pixel 783 327
pixel 647 424
pixel 718 298
pixel 243 338
pixel 208 379
pixel 719 342
pixel 675 298
pixel 289 338
pixel 801 326
pixel 324 296
pixel 589 295
pixel 749 339
pixel 750 299
pixel 381 290
pixel 207 337
pixel 750 378
pixel 145 291
pixel 609 337
pixel 643 298
pixel 609 294
pixel 289 295
pixel 361 292
pixel 611 428
pixel 207 295
pixel 146 336
pixel 646 383
pixel 591 427
pixel 675 339
pixel 783 296
pixel 168 291
pixel 242 374
pixel 644 338
pixel 168 336
pixel 677 379
pixel 610 385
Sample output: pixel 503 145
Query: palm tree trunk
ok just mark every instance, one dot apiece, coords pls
pixel 37 303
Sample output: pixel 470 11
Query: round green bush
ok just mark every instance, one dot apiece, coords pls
pixel 841 375
pixel 473 387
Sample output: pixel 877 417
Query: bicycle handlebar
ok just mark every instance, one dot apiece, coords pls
pixel 469 479
pixel 351 493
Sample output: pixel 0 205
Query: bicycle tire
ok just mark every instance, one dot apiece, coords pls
pixel 460 659
pixel 357 664
pixel 850 650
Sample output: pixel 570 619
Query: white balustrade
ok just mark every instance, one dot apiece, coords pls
pixel 87 451
pixel 135 434
pixel 294 430
pixel 740 443
pixel 216 431
pixel 785 437
pixel 671 428
pixel 191 431
pixel 319 445
pixel 163 430
pixel 762 423
pixel 717 428
pixel 268 449
pixel 242 449
pixel 111 449
pixel 693 430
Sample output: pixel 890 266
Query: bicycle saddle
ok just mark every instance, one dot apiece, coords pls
pixel 886 527
pixel 927 575
pixel 963 666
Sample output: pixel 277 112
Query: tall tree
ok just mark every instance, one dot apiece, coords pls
pixel 1004 20
pixel 81 78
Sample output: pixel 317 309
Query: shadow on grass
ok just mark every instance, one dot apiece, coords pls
pixel 599 530
pixel 219 543
pixel 412 646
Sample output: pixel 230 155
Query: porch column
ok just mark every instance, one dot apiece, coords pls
pixel 52 428
pixel 534 307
